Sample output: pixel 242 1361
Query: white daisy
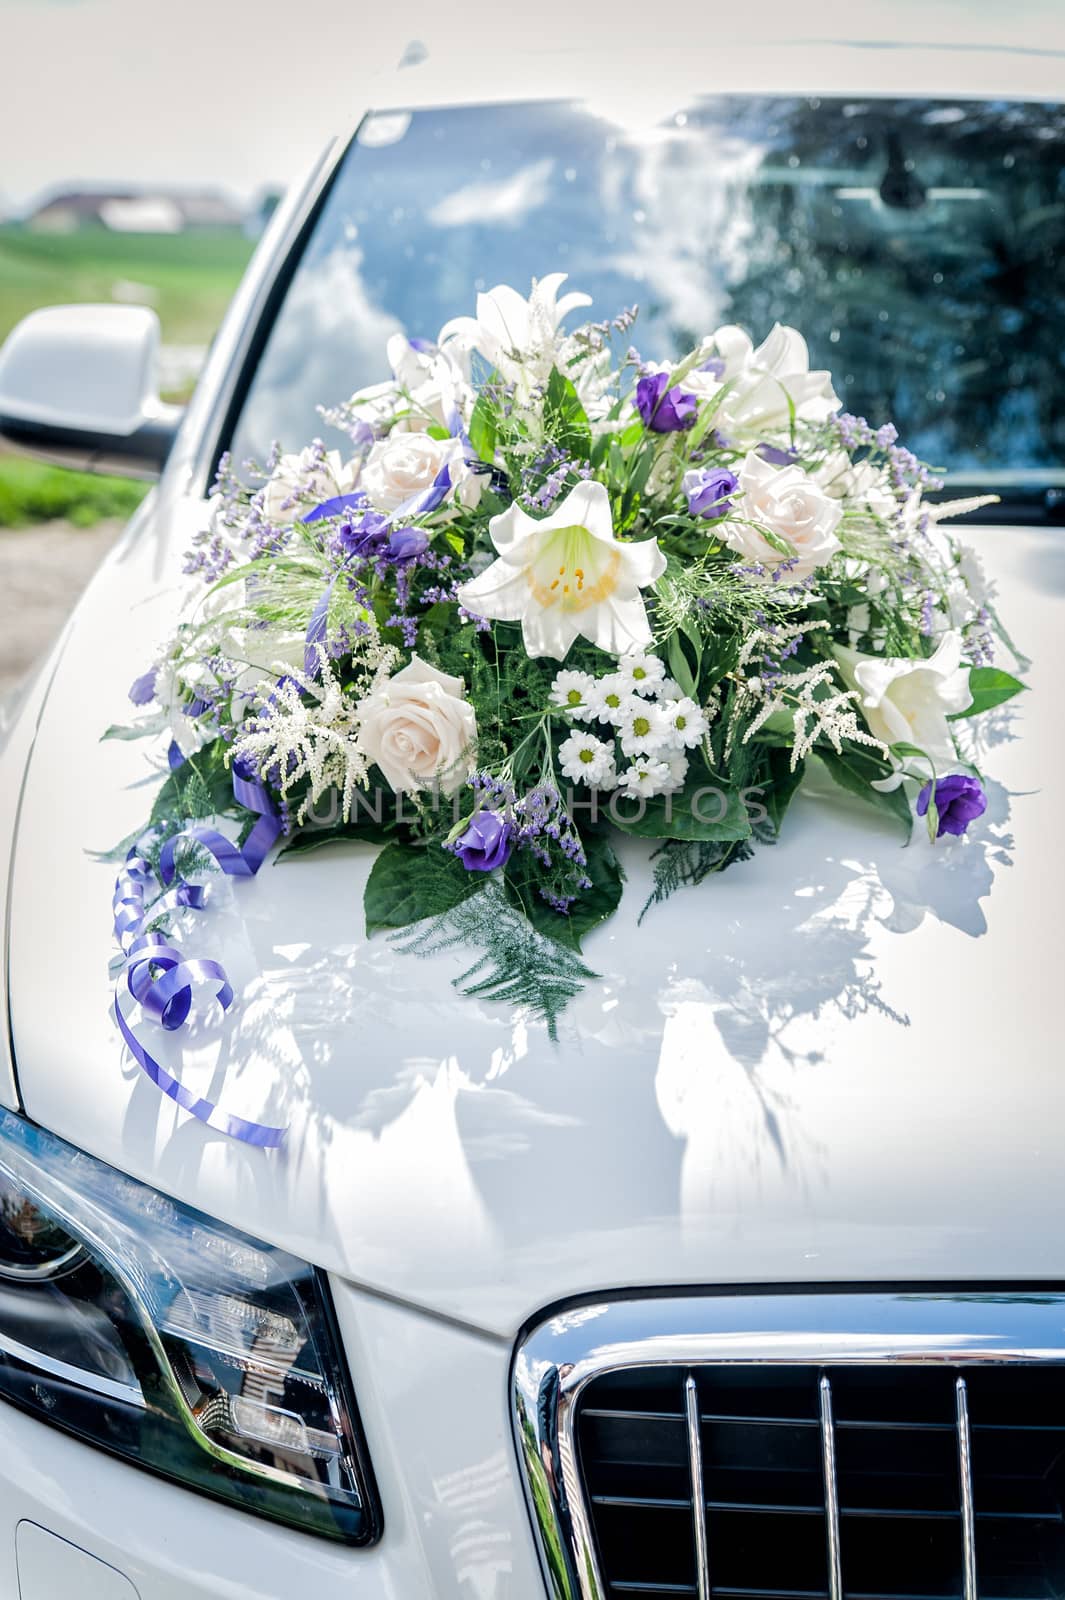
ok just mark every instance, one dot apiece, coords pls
pixel 670 689
pixel 612 699
pixel 687 723
pixel 572 692
pixel 677 762
pixel 643 673
pixel 585 759
pixel 645 778
pixel 646 729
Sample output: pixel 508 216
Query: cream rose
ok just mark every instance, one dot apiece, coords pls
pixel 908 701
pixel 407 464
pixel 790 504
pixel 301 482
pixel 419 729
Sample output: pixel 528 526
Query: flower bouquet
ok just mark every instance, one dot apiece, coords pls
pixel 550 594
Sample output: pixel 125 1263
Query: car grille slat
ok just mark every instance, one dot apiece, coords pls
pixel 878 1482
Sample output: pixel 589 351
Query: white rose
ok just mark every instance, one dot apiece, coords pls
pixel 419 729
pixel 300 483
pixel 908 701
pixel 407 464
pixel 790 503
pixel 860 482
pixel 764 381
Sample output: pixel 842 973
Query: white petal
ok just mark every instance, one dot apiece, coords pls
pixel 511 526
pixel 548 632
pixel 586 506
pixel 499 592
pixel 643 562
pixel 619 625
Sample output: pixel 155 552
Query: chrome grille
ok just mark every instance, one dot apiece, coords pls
pixel 865 1447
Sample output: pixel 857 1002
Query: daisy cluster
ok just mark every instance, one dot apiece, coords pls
pixel 635 727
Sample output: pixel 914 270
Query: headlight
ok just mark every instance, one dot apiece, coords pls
pixel 172 1341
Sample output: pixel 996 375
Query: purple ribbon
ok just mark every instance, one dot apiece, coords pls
pixel 158 976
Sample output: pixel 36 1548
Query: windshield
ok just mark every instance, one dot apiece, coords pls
pixel 917 245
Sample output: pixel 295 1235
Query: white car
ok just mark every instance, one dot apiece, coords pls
pixel 752 1286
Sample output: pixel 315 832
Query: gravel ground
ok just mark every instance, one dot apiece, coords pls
pixel 43 570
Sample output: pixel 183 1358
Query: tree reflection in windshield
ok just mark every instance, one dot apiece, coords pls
pixel 915 243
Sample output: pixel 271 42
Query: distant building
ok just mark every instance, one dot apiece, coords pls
pixel 135 211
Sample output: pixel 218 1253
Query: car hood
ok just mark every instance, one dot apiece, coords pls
pixel 838 1062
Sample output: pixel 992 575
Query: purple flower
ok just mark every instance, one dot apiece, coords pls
pixel 776 456
pixel 364 537
pixel 708 490
pixel 487 842
pixel 959 801
pixel 407 543
pixel 664 410
pixel 142 689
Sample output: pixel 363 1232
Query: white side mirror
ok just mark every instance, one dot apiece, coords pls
pixel 79 385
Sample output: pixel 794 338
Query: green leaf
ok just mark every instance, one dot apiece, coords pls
pixel 593 906
pixel 989 686
pixel 483 429
pixel 704 809
pixel 407 884
pixel 565 419
pixel 201 787
pixel 780 785
pixel 679 667
pixel 855 770
pixel 136 730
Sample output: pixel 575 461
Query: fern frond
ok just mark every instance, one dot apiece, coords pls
pixel 515 963
pixel 684 863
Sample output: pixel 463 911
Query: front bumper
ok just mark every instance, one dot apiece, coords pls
pixel 434 1405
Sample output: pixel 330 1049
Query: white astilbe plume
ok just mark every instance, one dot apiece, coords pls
pixel 309 730
pixel 819 708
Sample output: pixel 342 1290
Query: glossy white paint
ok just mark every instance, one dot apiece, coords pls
pixel 434 1405
pixel 839 1062
pixel 93 367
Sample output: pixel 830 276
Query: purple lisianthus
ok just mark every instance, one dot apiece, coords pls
pixel 776 456
pixel 364 537
pixel 959 801
pixel 487 842
pixel 664 410
pixel 408 543
pixel 708 490
pixel 142 689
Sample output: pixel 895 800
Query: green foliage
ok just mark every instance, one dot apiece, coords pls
pixel 594 905
pixel 706 808
pixel 482 429
pixel 778 784
pixel 856 769
pixel 201 787
pixel 517 964
pixel 684 863
pixel 989 686
pixel 565 420
pixel 30 493
pixel 409 884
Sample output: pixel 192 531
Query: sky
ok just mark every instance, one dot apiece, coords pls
pixel 244 93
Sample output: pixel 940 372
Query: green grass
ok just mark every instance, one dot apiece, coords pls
pixel 190 277
pixel 30 492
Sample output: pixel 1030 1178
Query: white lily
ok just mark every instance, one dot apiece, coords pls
pixel 567 577
pixel 909 700
pixel 516 336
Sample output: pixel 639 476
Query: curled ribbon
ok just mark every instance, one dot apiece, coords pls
pixel 158 976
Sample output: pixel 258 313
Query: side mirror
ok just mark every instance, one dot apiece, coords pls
pixel 79 386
